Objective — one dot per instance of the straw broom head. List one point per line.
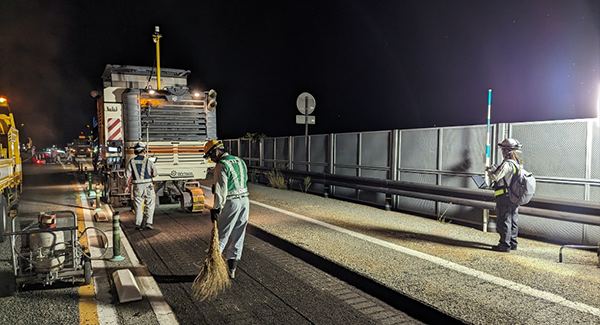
(214, 275)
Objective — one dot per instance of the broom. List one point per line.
(214, 276)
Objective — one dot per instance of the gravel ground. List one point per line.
(527, 286)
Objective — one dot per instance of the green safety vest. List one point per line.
(237, 175)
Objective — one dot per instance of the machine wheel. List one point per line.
(87, 272)
(4, 220)
(106, 189)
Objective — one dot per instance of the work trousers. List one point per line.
(507, 221)
(143, 192)
(232, 225)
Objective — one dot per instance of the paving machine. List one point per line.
(45, 248)
(154, 106)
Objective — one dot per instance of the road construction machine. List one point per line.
(11, 173)
(160, 111)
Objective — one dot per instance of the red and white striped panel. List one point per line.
(115, 129)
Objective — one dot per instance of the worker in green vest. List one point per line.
(231, 205)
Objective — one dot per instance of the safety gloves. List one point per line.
(214, 214)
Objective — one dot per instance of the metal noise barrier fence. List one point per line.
(585, 212)
(428, 171)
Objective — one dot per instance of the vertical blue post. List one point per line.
(117, 238)
(488, 149)
(488, 146)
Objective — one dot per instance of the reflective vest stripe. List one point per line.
(138, 167)
(501, 191)
(504, 190)
(238, 176)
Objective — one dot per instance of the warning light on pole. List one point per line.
(212, 100)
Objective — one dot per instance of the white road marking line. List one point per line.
(106, 311)
(149, 287)
(450, 265)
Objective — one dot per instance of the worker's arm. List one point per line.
(153, 170)
(502, 170)
(220, 193)
(128, 173)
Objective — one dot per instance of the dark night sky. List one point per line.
(371, 65)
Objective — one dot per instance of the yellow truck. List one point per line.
(11, 172)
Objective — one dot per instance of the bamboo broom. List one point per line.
(214, 276)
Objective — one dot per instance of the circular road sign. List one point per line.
(306, 102)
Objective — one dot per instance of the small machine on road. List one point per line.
(45, 248)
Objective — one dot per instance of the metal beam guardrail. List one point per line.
(585, 212)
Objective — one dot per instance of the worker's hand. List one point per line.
(214, 214)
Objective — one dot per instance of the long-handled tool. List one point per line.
(214, 276)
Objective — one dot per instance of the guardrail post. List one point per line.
(116, 238)
(486, 217)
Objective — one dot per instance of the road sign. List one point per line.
(301, 119)
(306, 103)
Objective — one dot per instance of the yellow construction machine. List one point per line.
(11, 173)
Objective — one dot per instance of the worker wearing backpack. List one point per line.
(507, 211)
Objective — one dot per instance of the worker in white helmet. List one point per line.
(231, 205)
(508, 212)
(140, 172)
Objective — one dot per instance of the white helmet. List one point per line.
(139, 148)
(510, 144)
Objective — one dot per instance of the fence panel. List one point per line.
(563, 155)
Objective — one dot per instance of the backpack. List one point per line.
(522, 185)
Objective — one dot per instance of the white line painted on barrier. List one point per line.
(447, 264)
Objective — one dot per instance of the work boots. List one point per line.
(232, 264)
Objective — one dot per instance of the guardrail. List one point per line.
(585, 212)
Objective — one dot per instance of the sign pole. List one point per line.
(306, 116)
(306, 130)
(306, 104)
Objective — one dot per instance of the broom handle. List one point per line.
(215, 235)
